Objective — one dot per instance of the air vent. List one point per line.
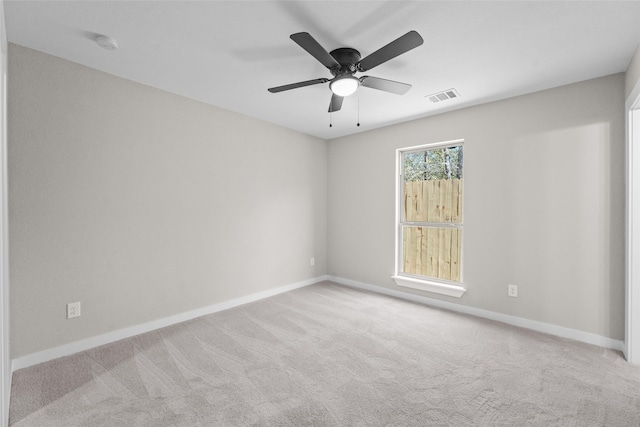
(443, 96)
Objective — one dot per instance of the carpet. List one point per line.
(328, 355)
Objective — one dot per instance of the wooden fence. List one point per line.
(433, 251)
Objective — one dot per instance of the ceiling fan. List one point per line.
(344, 62)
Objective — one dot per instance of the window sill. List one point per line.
(429, 286)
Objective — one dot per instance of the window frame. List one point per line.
(424, 283)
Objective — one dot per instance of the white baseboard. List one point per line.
(89, 343)
(534, 325)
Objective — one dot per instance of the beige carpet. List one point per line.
(327, 355)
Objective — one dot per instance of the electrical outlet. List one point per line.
(312, 261)
(512, 291)
(73, 310)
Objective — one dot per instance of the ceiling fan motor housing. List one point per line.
(348, 59)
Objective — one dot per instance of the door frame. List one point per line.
(5, 355)
(632, 279)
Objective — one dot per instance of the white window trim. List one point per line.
(442, 287)
(430, 286)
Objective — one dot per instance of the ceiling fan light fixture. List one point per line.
(344, 86)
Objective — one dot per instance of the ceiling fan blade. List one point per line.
(385, 85)
(397, 47)
(310, 44)
(336, 103)
(297, 85)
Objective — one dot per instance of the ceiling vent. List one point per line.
(444, 95)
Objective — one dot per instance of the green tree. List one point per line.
(437, 163)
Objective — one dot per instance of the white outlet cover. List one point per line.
(73, 310)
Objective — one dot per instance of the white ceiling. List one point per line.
(227, 53)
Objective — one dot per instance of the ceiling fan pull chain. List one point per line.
(330, 112)
(358, 109)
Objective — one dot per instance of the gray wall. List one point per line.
(543, 204)
(633, 74)
(142, 204)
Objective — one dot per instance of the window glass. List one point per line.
(431, 212)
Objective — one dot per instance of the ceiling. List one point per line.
(227, 53)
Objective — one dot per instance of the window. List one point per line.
(429, 218)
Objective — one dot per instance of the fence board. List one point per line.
(434, 201)
(433, 251)
(432, 254)
(455, 255)
(456, 194)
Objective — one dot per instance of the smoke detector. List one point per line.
(443, 96)
(107, 42)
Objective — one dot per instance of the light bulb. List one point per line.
(344, 86)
